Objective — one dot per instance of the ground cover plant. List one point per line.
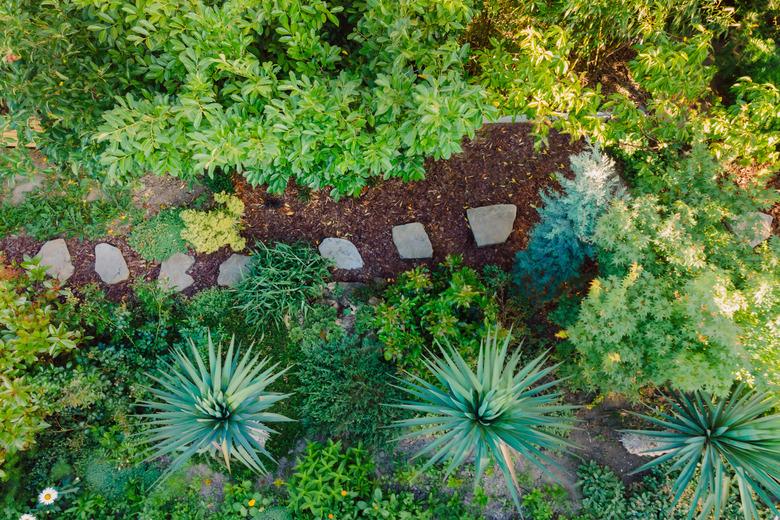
(625, 367)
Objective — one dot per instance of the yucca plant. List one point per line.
(221, 408)
(713, 441)
(490, 413)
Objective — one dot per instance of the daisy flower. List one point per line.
(48, 496)
(27, 517)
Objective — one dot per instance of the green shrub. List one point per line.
(327, 94)
(281, 281)
(603, 492)
(328, 479)
(208, 231)
(452, 305)
(158, 238)
(344, 382)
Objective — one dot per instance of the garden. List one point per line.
(393, 259)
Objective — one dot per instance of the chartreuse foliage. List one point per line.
(502, 406)
(562, 241)
(208, 231)
(33, 328)
(714, 441)
(327, 94)
(218, 406)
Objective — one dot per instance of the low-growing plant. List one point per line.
(328, 479)
(220, 407)
(603, 492)
(499, 408)
(281, 281)
(208, 231)
(714, 441)
(160, 237)
(451, 304)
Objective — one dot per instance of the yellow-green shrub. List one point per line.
(208, 231)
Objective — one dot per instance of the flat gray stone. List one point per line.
(232, 270)
(24, 185)
(110, 265)
(753, 227)
(492, 224)
(342, 252)
(642, 445)
(173, 272)
(412, 241)
(55, 257)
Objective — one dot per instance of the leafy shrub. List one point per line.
(339, 92)
(730, 438)
(603, 492)
(280, 281)
(220, 408)
(34, 315)
(210, 230)
(451, 304)
(158, 238)
(560, 243)
(488, 412)
(344, 381)
(329, 478)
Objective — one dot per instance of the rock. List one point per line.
(110, 265)
(232, 270)
(95, 193)
(24, 185)
(753, 227)
(412, 241)
(342, 252)
(55, 256)
(173, 272)
(156, 192)
(492, 224)
(641, 445)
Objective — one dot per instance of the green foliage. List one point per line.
(560, 243)
(328, 479)
(208, 231)
(343, 382)
(280, 281)
(488, 412)
(452, 304)
(327, 94)
(724, 439)
(34, 315)
(158, 238)
(222, 407)
(603, 492)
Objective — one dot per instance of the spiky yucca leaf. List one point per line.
(487, 413)
(729, 438)
(222, 407)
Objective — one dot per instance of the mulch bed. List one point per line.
(498, 166)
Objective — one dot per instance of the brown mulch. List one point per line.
(498, 166)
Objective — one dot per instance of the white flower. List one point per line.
(27, 517)
(48, 496)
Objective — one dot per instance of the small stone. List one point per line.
(232, 270)
(22, 186)
(55, 256)
(110, 265)
(642, 445)
(342, 252)
(412, 241)
(95, 193)
(753, 227)
(173, 272)
(492, 224)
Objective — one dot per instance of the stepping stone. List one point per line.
(342, 252)
(173, 272)
(232, 270)
(642, 445)
(492, 224)
(753, 227)
(55, 256)
(110, 265)
(412, 241)
(22, 186)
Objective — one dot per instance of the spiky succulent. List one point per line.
(488, 413)
(713, 441)
(219, 408)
